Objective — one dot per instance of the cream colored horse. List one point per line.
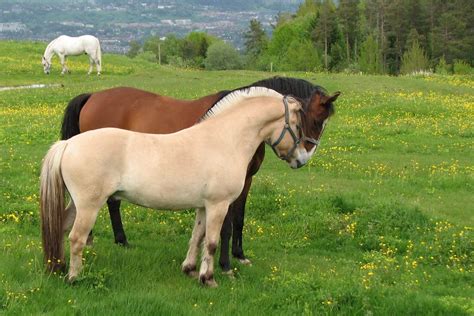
(203, 167)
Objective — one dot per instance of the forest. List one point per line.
(354, 36)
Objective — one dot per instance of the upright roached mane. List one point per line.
(235, 97)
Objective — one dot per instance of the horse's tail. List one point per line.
(70, 126)
(52, 204)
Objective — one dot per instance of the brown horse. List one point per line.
(138, 110)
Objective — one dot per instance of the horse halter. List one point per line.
(296, 140)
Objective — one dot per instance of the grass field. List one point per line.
(380, 222)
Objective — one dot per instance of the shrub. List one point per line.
(414, 60)
(442, 68)
(222, 56)
(462, 68)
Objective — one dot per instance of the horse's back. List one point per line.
(141, 111)
(69, 45)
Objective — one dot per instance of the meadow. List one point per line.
(380, 221)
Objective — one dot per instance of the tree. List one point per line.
(348, 14)
(370, 58)
(308, 7)
(414, 59)
(222, 56)
(152, 45)
(256, 39)
(326, 28)
(194, 48)
(134, 49)
(302, 56)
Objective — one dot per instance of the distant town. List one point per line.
(116, 23)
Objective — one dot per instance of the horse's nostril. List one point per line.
(298, 164)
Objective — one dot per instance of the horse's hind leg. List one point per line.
(85, 219)
(70, 216)
(91, 65)
(226, 233)
(98, 64)
(62, 60)
(215, 215)
(189, 264)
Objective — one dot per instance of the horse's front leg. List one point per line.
(62, 60)
(189, 264)
(215, 214)
(116, 220)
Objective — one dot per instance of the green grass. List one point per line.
(380, 222)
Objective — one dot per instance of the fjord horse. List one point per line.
(153, 170)
(143, 111)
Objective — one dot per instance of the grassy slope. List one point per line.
(380, 221)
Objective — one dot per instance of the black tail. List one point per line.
(70, 126)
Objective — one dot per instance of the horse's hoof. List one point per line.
(90, 240)
(209, 283)
(192, 274)
(207, 279)
(190, 270)
(245, 261)
(229, 273)
(71, 279)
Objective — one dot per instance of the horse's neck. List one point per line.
(249, 126)
(49, 51)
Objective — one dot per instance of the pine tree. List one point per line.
(349, 19)
(326, 28)
(414, 59)
(256, 39)
(370, 58)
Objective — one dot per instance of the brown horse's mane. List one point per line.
(301, 89)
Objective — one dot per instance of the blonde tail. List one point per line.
(52, 203)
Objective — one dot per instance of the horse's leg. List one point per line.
(238, 212)
(215, 214)
(189, 264)
(91, 65)
(238, 209)
(115, 218)
(85, 219)
(226, 233)
(98, 66)
(70, 216)
(63, 64)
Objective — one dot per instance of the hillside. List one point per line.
(380, 221)
(118, 22)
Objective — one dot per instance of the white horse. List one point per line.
(203, 167)
(64, 46)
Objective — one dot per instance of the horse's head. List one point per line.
(316, 113)
(46, 65)
(288, 142)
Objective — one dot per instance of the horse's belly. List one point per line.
(162, 198)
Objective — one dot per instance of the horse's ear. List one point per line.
(331, 98)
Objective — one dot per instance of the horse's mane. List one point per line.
(230, 99)
(299, 88)
(49, 45)
(296, 87)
